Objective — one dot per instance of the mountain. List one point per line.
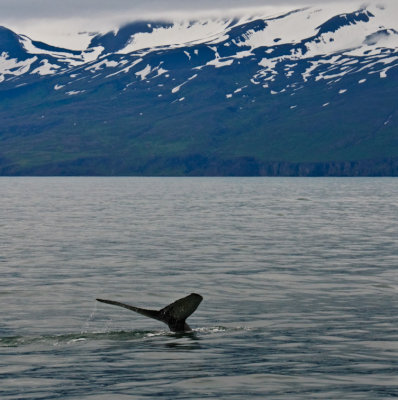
(309, 92)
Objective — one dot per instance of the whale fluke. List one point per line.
(174, 315)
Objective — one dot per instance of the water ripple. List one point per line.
(299, 279)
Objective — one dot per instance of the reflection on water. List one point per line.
(299, 278)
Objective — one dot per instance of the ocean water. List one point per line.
(299, 279)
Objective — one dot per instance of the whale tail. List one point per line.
(174, 315)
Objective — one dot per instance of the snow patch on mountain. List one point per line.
(126, 69)
(218, 62)
(144, 72)
(178, 35)
(294, 27)
(101, 65)
(177, 88)
(14, 67)
(75, 92)
(92, 54)
(46, 68)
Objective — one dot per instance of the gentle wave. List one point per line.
(70, 338)
(55, 340)
(299, 279)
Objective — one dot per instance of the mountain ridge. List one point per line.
(229, 96)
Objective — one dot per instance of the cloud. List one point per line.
(59, 21)
(63, 9)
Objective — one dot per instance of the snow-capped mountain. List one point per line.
(152, 77)
(364, 39)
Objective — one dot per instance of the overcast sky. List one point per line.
(21, 9)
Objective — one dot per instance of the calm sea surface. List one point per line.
(299, 279)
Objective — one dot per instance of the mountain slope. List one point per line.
(310, 92)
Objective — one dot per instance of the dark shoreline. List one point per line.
(197, 165)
